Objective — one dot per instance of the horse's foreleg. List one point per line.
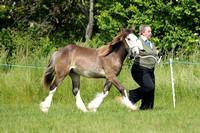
(94, 105)
(76, 91)
(79, 102)
(124, 100)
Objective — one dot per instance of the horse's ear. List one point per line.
(133, 29)
(122, 29)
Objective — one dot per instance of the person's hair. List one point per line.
(142, 28)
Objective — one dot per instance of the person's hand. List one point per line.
(160, 54)
(131, 57)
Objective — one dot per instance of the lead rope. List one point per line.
(159, 60)
(156, 60)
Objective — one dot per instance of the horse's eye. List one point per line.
(129, 39)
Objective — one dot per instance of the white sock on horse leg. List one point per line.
(127, 102)
(44, 106)
(94, 104)
(79, 102)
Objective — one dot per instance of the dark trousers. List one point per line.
(146, 79)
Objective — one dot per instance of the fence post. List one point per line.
(173, 91)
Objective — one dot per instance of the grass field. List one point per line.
(110, 118)
(21, 92)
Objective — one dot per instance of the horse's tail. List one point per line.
(50, 72)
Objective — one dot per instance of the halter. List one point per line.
(131, 48)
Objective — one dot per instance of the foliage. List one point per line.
(13, 41)
(46, 25)
(53, 18)
(173, 23)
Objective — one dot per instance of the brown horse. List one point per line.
(104, 62)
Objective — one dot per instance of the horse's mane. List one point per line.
(107, 49)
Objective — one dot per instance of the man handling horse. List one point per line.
(143, 70)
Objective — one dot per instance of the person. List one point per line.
(143, 70)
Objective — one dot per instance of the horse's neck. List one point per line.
(124, 53)
(121, 52)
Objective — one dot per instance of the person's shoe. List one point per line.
(130, 98)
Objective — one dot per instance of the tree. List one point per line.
(90, 16)
(173, 22)
(68, 21)
(88, 34)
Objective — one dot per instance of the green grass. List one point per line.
(21, 92)
(110, 118)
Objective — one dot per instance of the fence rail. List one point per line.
(10, 65)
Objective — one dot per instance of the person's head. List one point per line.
(145, 30)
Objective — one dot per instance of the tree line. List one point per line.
(45, 25)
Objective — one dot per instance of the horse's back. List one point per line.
(73, 48)
(81, 60)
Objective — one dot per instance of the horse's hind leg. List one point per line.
(94, 105)
(76, 91)
(45, 105)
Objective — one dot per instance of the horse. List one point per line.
(103, 62)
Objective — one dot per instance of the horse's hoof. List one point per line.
(43, 108)
(133, 108)
(85, 111)
(92, 108)
(119, 99)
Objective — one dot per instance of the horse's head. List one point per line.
(131, 42)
